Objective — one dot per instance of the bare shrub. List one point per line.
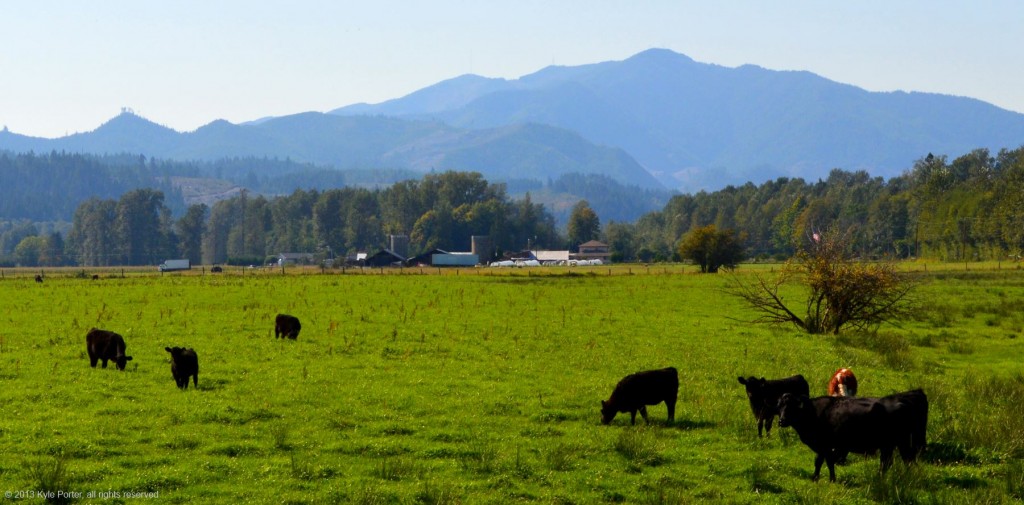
(840, 291)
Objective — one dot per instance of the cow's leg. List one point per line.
(830, 460)
(671, 405)
(643, 412)
(632, 417)
(885, 458)
(818, 460)
(768, 425)
(93, 359)
(760, 426)
(104, 362)
(195, 380)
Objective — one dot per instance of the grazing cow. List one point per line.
(106, 345)
(286, 326)
(217, 269)
(842, 383)
(764, 397)
(95, 277)
(39, 278)
(184, 364)
(634, 392)
(835, 426)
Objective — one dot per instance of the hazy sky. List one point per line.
(69, 66)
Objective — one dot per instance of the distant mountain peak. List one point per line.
(129, 120)
(661, 55)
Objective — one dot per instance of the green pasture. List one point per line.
(483, 386)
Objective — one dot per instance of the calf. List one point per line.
(835, 426)
(764, 397)
(634, 392)
(106, 345)
(286, 326)
(184, 363)
(39, 278)
(842, 383)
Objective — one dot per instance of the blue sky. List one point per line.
(68, 66)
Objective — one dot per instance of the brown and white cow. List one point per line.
(842, 383)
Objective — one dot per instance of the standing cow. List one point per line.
(833, 426)
(106, 345)
(286, 326)
(764, 397)
(842, 383)
(634, 392)
(184, 364)
(909, 412)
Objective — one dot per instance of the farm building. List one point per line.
(551, 257)
(384, 258)
(593, 250)
(455, 259)
(424, 259)
(440, 257)
(294, 259)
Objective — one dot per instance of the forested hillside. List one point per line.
(969, 209)
(48, 187)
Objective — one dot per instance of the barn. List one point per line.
(384, 258)
(442, 258)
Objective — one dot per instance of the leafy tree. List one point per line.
(584, 225)
(712, 249)
(620, 238)
(840, 292)
(28, 252)
(222, 220)
(190, 229)
(52, 254)
(141, 227)
(329, 219)
(13, 236)
(91, 239)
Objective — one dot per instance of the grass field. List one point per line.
(478, 386)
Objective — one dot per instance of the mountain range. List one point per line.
(701, 126)
(656, 120)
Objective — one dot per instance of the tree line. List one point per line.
(970, 208)
(438, 211)
(967, 209)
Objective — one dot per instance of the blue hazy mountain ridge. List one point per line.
(701, 126)
(517, 151)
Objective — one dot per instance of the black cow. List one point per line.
(106, 345)
(634, 392)
(834, 426)
(764, 397)
(217, 269)
(909, 412)
(39, 278)
(184, 364)
(286, 326)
